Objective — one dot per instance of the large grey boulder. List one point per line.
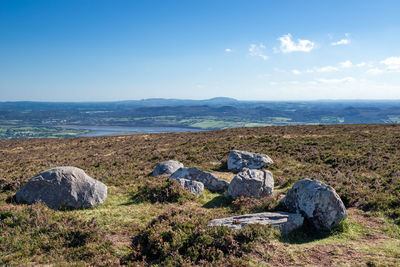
(167, 167)
(63, 187)
(318, 202)
(251, 183)
(284, 221)
(193, 186)
(210, 182)
(237, 160)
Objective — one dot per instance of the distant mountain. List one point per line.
(214, 113)
(159, 102)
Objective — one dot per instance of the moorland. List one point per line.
(152, 221)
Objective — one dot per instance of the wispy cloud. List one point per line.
(392, 63)
(289, 46)
(342, 80)
(341, 42)
(228, 50)
(374, 71)
(327, 69)
(296, 72)
(346, 64)
(257, 51)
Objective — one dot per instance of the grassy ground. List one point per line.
(148, 220)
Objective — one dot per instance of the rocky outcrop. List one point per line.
(251, 183)
(167, 167)
(193, 186)
(318, 202)
(210, 182)
(237, 160)
(63, 187)
(284, 221)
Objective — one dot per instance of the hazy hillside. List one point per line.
(216, 113)
(149, 220)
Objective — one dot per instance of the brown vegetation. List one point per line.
(362, 162)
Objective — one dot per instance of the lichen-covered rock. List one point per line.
(237, 160)
(318, 202)
(210, 182)
(284, 221)
(193, 186)
(251, 183)
(167, 167)
(63, 187)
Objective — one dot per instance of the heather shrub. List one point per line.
(26, 231)
(255, 205)
(181, 236)
(153, 190)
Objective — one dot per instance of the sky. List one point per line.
(86, 50)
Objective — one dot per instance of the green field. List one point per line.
(11, 132)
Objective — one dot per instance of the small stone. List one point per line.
(167, 167)
(193, 186)
(210, 182)
(237, 160)
(251, 183)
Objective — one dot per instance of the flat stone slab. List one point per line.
(285, 221)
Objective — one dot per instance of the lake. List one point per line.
(120, 130)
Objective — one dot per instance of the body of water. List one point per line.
(121, 130)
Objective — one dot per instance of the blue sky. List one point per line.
(251, 50)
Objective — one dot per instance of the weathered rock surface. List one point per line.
(210, 182)
(63, 187)
(237, 160)
(286, 222)
(167, 167)
(251, 183)
(318, 202)
(193, 186)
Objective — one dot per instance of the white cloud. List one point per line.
(327, 69)
(257, 51)
(374, 71)
(228, 50)
(288, 46)
(341, 42)
(343, 80)
(392, 63)
(346, 64)
(296, 72)
(362, 64)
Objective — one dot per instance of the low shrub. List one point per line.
(26, 231)
(181, 236)
(153, 190)
(254, 205)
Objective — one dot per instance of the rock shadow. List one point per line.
(308, 233)
(218, 202)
